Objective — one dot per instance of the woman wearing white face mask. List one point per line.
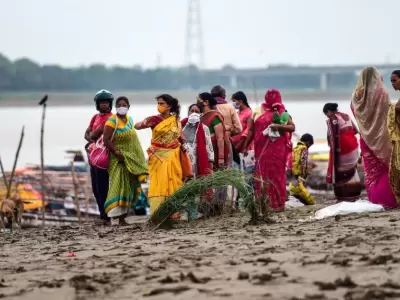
(128, 167)
(198, 143)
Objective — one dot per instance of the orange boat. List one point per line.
(24, 191)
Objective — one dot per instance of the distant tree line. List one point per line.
(26, 75)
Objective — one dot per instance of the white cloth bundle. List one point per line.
(271, 133)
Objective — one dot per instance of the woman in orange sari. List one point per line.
(164, 152)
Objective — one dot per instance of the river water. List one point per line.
(65, 127)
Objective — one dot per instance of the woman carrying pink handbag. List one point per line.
(100, 179)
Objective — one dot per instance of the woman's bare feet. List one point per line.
(122, 221)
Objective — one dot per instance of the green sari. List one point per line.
(125, 188)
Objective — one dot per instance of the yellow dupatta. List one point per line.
(164, 161)
(394, 134)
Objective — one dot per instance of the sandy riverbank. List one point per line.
(353, 258)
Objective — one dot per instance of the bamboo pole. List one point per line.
(42, 180)
(78, 208)
(15, 162)
(4, 174)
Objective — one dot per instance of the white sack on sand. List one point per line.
(344, 208)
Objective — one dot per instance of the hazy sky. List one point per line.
(238, 32)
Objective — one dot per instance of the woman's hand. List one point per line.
(183, 148)
(275, 127)
(142, 178)
(119, 156)
(221, 162)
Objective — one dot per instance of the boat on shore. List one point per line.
(66, 189)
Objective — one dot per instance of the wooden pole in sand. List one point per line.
(4, 175)
(15, 162)
(43, 103)
(76, 195)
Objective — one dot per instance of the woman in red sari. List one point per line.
(198, 143)
(344, 154)
(215, 123)
(272, 154)
(221, 145)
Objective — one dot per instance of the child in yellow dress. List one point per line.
(300, 170)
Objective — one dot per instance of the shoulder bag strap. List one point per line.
(116, 126)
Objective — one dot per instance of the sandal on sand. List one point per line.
(114, 222)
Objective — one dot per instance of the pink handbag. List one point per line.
(99, 156)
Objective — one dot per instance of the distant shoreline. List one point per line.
(60, 99)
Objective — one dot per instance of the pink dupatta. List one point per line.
(370, 105)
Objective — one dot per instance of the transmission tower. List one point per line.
(194, 52)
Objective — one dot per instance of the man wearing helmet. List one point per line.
(100, 181)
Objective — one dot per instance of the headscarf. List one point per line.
(273, 98)
(370, 102)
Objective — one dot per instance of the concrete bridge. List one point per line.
(322, 72)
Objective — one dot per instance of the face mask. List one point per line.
(235, 105)
(194, 118)
(200, 105)
(161, 109)
(122, 110)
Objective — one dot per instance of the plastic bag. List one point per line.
(345, 208)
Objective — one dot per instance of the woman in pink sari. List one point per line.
(370, 104)
(272, 153)
(244, 142)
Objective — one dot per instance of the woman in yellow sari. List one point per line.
(164, 152)
(394, 134)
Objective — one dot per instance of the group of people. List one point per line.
(218, 134)
(378, 127)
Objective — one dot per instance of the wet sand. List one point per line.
(352, 257)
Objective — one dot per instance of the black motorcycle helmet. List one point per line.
(103, 95)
